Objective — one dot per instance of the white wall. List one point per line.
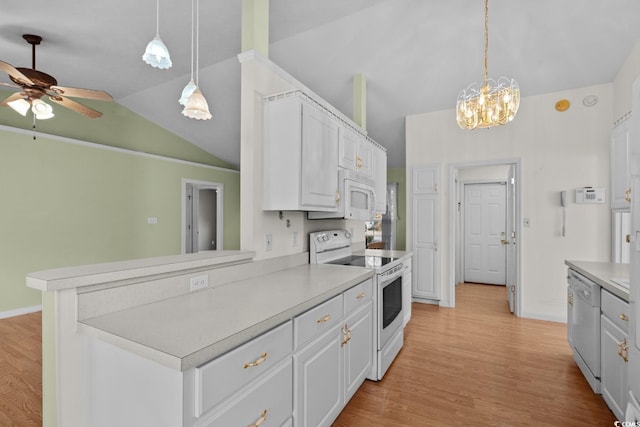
(628, 73)
(558, 151)
(260, 78)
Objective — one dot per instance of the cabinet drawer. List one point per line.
(358, 296)
(616, 309)
(220, 378)
(271, 398)
(317, 320)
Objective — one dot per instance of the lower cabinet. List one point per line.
(613, 352)
(300, 373)
(330, 367)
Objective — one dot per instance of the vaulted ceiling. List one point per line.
(416, 54)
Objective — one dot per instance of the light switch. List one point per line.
(152, 220)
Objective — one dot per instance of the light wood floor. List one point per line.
(21, 371)
(472, 365)
(478, 365)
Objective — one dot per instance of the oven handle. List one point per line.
(385, 280)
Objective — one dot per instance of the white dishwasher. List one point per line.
(584, 326)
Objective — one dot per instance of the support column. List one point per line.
(360, 100)
(255, 26)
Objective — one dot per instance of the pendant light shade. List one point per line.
(191, 86)
(493, 103)
(197, 107)
(156, 54)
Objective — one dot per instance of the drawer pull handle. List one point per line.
(624, 317)
(622, 350)
(262, 418)
(324, 319)
(346, 335)
(258, 361)
(362, 295)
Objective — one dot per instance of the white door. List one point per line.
(425, 247)
(485, 232)
(511, 240)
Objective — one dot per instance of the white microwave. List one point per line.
(357, 198)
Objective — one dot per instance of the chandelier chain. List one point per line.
(486, 41)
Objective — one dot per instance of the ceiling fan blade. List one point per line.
(14, 97)
(76, 106)
(13, 72)
(75, 92)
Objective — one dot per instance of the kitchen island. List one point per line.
(122, 326)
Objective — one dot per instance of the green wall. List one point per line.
(68, 204)
(399, 175)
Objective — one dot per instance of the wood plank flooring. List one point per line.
(479, 365)
(472, 365)
(21, 371)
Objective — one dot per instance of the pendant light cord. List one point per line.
(157, 18)
(486, 41)
(192, 12)
(197, 41)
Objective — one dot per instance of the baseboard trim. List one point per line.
(548, 318)
(20, 311)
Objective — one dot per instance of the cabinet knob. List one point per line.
(346, 335)
(361, 295)
(624, 317)
(627, 195)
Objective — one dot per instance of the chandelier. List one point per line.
(493, 104)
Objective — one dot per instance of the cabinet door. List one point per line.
(348, 148)
(620, 166)
(365, 157)
(425, 247)
(318, 380)
(319, 180)
(358, 350)
(613, 367)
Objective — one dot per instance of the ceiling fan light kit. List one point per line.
(492, 104)
(34, 85)
(156, 54)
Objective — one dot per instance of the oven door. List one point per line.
(389, 306)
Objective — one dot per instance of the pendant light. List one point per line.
(197, 107)
(156, 54)
(191, 86)
(493, 104)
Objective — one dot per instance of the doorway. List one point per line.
(484, 209)
(202, 207)
(462, 175)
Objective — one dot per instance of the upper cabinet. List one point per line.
(300, 156)
(355, 151)
(306, 142)
(620, 153)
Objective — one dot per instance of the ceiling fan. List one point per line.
(35, 85)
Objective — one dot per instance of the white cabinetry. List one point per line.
(613, 352)
(620, 154)
(426, 225)
(333, 355)
(356, 151)
(300, 157)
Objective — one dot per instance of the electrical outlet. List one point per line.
(268, 244)
(199, 282)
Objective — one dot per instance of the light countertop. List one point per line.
(188, 330)
(608, 275)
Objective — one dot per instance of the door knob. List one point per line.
(504, 242)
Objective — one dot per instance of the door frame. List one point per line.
(203, 185)
(455, 227)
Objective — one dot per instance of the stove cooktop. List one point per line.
(364, 261)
